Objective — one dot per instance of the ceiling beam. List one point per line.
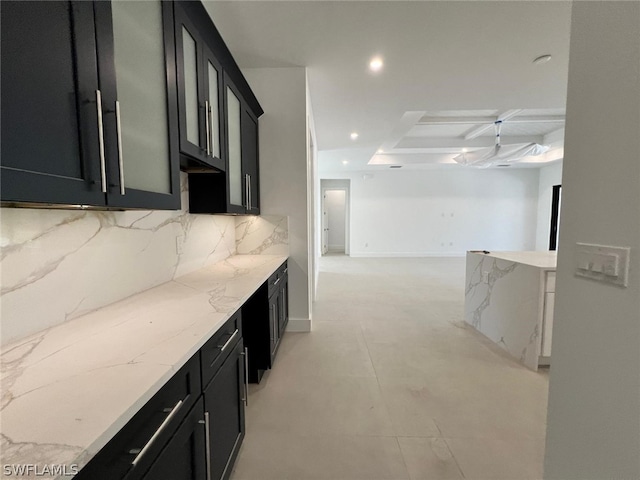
(426, 120)
(476, 132)
(459, 143)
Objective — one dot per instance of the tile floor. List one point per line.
(390, 384)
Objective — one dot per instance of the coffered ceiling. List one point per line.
(451, 69)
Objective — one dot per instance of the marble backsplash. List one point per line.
(56, 265)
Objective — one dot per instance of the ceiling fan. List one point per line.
(486, 157)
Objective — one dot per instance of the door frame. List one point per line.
(327, 185)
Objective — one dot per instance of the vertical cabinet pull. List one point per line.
(250, 199)
(206, 124)
(246, 190)
(207, 442)
(245, 354)
(119, 136)
(210, 119)
(140, 452)
(103, 166)
(275, 320)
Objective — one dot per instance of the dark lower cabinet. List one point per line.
(188, 430)
(184, 457)
(265, 316)
(224, 401)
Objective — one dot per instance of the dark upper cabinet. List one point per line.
(236, 191)
(89, 112)
(199, 80)
(50, 144)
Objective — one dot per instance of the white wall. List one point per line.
(549, 176)
(441, 212)
(594, 397)
(284, 176)
(335, 210)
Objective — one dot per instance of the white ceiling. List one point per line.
(441, 58)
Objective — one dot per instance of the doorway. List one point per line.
(335, 217)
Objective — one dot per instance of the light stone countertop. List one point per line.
(543, 260)
(67, 390)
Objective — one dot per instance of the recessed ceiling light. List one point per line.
(465, 150)
(354, 135)
(344, 162)
(380, 150)
(542, 59)
(376, 64)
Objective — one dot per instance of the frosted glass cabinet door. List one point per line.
(140, 69)
(234, 169)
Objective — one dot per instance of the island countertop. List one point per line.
(545, 260)
(66, 391)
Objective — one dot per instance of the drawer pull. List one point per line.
(277, 281)
(139, 452)
(222, 347)
(285, 270)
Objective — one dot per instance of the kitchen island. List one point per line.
(509, 298)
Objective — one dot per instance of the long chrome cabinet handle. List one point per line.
(206, 125)
(249, 183)
(211, 130)
(222, 347)
(246, 189)
(103, 165)
(275, 323)
(119, 136)
(207, 442)
(143, 450)
(245, 354)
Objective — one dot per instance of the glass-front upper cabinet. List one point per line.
(199, 97)
(237, 184)
(138, 105)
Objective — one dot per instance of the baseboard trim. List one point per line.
(407, 254)
(299, 325)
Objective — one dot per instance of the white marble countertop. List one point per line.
(68, 390)
(543, 260)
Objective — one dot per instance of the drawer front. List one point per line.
(551, 282)
(130, 453)
(214, 352)
(276, 279)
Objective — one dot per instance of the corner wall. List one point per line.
(594, 393)
(282, 93)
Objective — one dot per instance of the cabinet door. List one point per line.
(212, 83)
(250, 159)
(224, 399)
(135, 42)
(50, 149)
(189, 66)
(284, 303)
(547, 323)
(274, 325)
(237, 184)
(184, 457)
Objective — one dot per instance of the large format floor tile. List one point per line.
(391, 384)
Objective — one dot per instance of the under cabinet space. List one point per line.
(108, 142)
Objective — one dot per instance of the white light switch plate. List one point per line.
(602, 263)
